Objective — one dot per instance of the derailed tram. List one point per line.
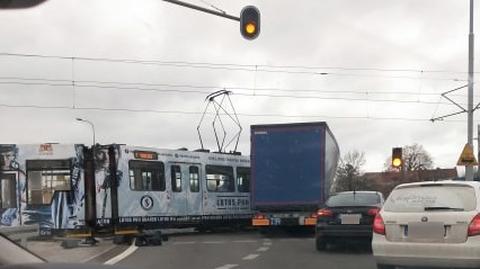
(119, 189)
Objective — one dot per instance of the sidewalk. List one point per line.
(52, 251)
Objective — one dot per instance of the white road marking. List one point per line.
(250, 257)
(244, 241)
(267, 243)
(227, 266)
(262, 249)
(98, 255)
(213, 242)
(129, 251)
(184, 243)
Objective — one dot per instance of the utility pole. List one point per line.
(469, 159)
(469, 168)
(478, 150)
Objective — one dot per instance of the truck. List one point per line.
(293, 167)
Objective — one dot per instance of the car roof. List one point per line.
(474, 184)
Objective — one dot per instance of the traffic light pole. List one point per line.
(469, 168)
(202, 9)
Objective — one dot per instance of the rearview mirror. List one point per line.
(17, 4)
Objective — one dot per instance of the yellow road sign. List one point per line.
(467, 157)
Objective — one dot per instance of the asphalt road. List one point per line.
(247, 250)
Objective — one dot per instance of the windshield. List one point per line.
(434, 197)
(351, 199)
(212, 133)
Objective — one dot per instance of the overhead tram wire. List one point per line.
(245, 67)
(105, 59)
(170, 85)
(105, 109)
(79, 85)
(241, 67)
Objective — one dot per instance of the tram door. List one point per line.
(8, 199)
(177, 190)
(194, 190)
(186, 193)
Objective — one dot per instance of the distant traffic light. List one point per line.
(250, 22)
(397, 160)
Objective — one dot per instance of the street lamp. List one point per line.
(91, 125)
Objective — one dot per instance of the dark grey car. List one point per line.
(347, 215)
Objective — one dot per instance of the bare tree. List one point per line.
(349, 172)
(415, 158)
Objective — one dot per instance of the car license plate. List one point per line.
(276, 221)
(350, 218)
(431, 231)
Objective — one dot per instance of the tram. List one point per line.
(120, 189)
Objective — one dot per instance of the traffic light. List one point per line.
(250, 22)
(397, 160)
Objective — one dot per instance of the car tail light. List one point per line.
(324, 212)
(378, 225)
(474, 227)
(373, 211)
(313, 215)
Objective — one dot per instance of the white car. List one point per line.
(431, 224)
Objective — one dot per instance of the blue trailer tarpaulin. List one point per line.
(292, 164)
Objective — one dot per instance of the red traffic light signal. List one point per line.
(397, 160)
(250, 22)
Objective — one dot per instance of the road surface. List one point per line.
(246, 250)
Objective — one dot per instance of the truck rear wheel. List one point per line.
(320, 244)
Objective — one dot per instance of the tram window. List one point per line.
(194, 179)
(46, 177)
(176, 178)
(8, 195)
(220, 178)
(243, 179)
(146, 175)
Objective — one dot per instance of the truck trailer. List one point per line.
(293, 168)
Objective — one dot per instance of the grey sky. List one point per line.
(394, 34)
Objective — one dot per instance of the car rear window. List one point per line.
(350, 199)
(424, 197)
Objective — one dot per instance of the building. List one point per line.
(384, 182)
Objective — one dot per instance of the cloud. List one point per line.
(374, 34)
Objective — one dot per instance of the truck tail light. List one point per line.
(324, 212)
(474, 227)
(260, 216)
(373, 211)
(378, 225)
